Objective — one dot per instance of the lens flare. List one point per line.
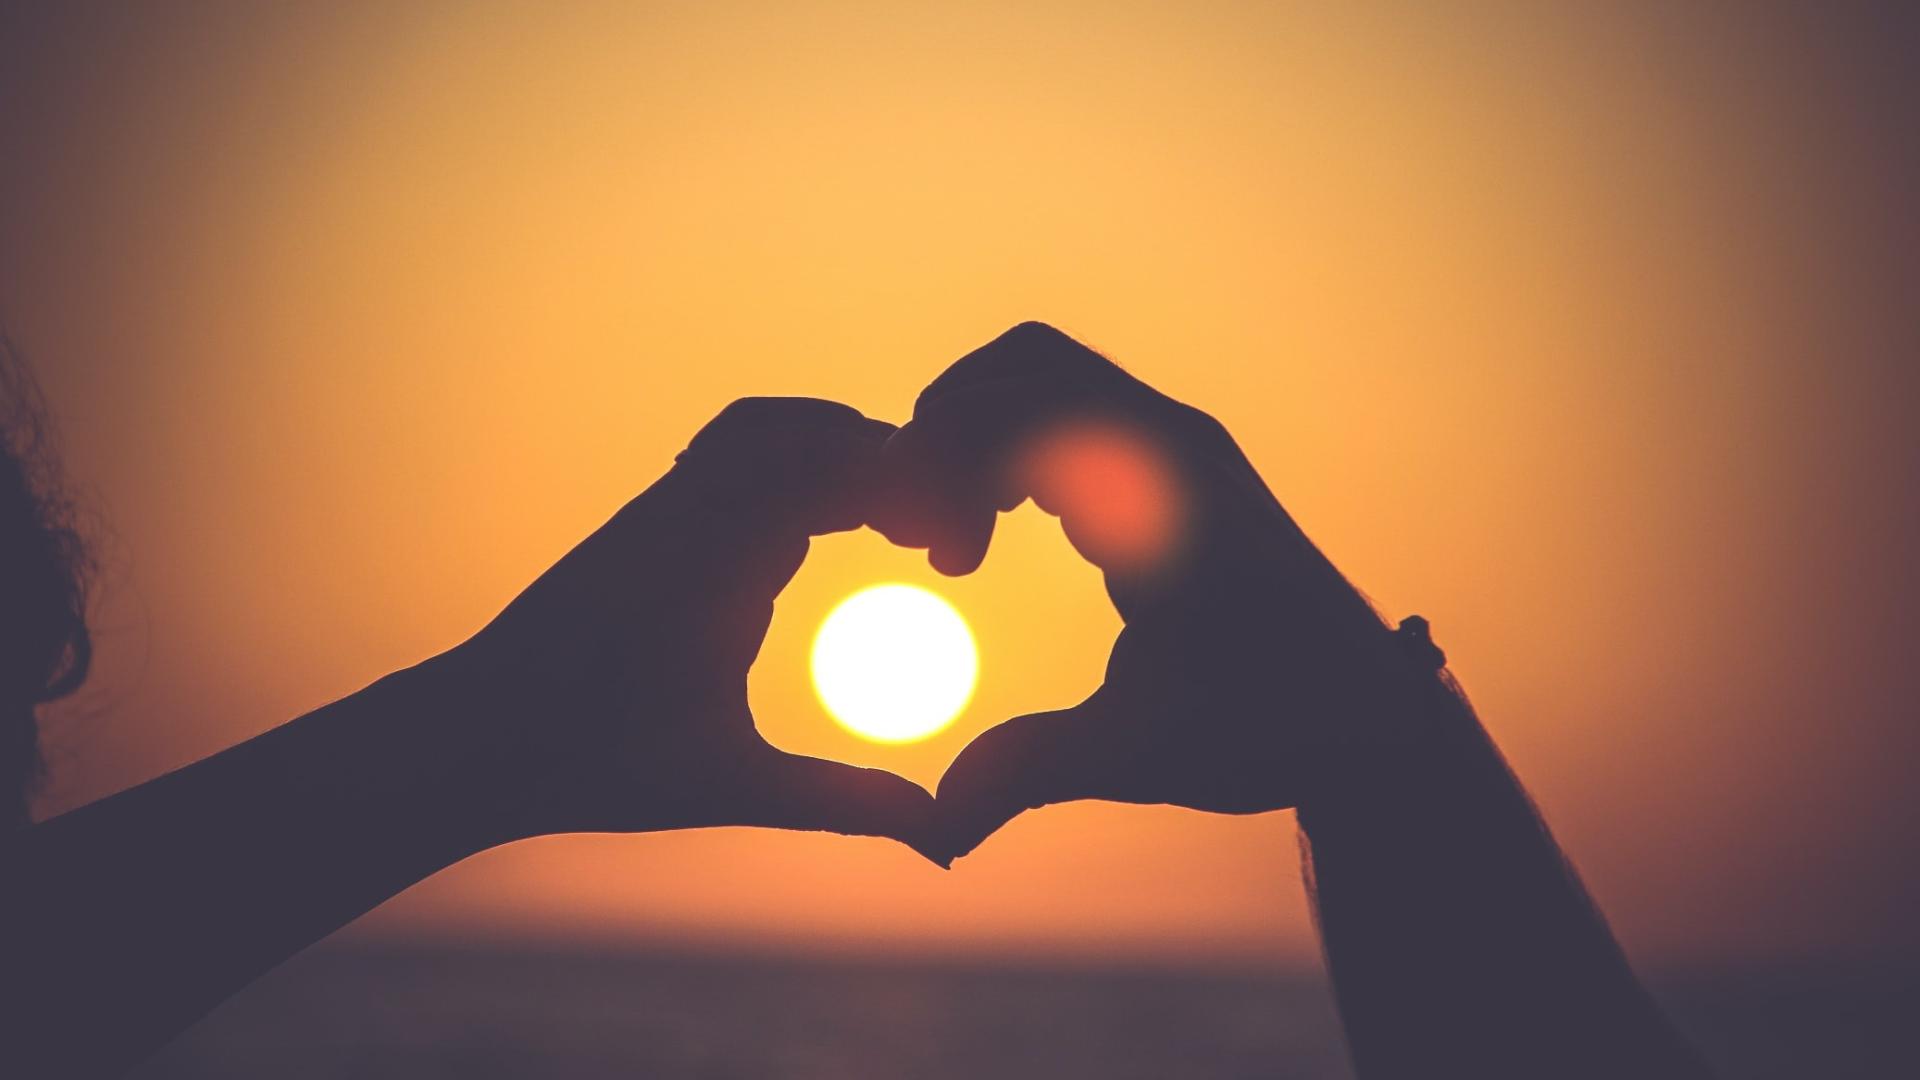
(1114, 490)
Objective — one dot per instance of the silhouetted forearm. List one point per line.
(123, 922)
(1459, 940)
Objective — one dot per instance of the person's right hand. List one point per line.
(1248, 675)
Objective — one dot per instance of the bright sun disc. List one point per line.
(894, 663)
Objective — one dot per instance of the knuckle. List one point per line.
(745, 407)
(763, 408)
(779, 421)
(1033, 330)
(742, 414)
(1198, 424)
(1045, 347)
(1028, 349)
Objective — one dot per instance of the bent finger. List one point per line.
(804, 465)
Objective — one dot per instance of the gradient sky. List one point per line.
(1590, 335)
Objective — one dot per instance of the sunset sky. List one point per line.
(1590, 336)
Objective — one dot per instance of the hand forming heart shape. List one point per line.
(630, 654)
(1248, 673)
(1239, 682)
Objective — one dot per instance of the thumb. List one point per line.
(798, 792)
(1026, 763)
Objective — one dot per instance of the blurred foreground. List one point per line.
(380, 1011)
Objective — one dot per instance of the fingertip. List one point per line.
(907, 813)
(962, 544)
(971, 808)
(956, 559)
(931, 847)
(925, 841)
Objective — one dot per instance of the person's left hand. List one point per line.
(1249, 675)
(613, 691)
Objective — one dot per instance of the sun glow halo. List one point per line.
(894, 663)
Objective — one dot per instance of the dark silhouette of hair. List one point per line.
(44, 566)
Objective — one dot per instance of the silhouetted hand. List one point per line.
(1248, 675)
(615, 687)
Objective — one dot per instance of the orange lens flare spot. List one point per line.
(1115, 491)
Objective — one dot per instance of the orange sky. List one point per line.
(1589, 337)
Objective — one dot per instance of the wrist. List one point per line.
(1406, 744)
(464, 766)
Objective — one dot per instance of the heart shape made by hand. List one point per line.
(1248, 675)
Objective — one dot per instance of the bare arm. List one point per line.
(610, 696)
(125, 921)
(1456, 932)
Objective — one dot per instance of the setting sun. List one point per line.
(894, 663)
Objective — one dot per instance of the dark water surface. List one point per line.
(379, 1012)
